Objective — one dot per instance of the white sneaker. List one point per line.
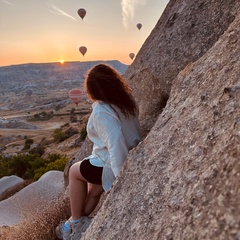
(80, 227)
(62, 232)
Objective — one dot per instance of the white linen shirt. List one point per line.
(113, 135)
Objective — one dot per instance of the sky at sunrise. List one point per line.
(39, 31)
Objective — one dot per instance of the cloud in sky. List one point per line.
(128, 10)
(55, 10)
(7, 2)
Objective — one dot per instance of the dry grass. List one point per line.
(41, 226)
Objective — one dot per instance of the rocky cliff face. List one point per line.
(183, 180)
(186, 31)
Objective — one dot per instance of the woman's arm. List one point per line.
(108, 128)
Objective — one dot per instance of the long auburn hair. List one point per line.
(105, 84)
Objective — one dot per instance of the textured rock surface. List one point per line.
(32, 200)
(185, 31)
(8, 182)
(183, 179)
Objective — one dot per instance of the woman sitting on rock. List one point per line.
(113, 127)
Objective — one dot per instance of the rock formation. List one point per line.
(9, 182)
(186, 31)
(32, 200)
(182, 181)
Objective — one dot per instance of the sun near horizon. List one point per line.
(62, 61)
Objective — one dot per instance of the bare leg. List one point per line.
(84, 197)
(78, 190)
(94, 194)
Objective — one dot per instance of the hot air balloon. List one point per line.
(83, 50)
(81, 12)
(139, 26)
(131, 55)
(75, 95)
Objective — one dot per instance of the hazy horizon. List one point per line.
(65, 62)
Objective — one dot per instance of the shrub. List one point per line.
(73, 118)
(39, 149)
(23, 164)
(31, 166)
(59, 135)
(27, 143)
(71, 131)
(35, 164)
(4, 167)
(83, 133)
(42, 116)
(58, 164)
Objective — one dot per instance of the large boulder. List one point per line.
(9, 182)
(32, 200)
(186, 30)
(183, 180)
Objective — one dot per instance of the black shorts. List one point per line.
(91, 173)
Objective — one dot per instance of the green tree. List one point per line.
(31, 166)
(4, 167)
(59, 164)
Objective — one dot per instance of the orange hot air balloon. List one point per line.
(81, 12)
(139, 26)
(131, 55)
(83, 50)
(75, 95)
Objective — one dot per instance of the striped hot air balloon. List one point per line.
(75, 95)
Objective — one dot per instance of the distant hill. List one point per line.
(46, 76)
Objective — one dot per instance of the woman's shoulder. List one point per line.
(100, 106)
